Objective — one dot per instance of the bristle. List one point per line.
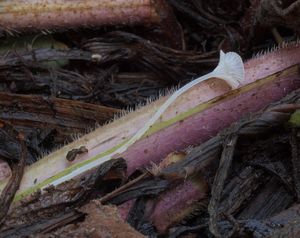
(154, 169)
(10, 32)
(275, 48)
(189, 149)
(91, 128)
(122, 113)
(162, 93)
(44, 153)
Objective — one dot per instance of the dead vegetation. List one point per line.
(243, 182)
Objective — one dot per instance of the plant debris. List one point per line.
(62, 79)
(12, 186)
(255, 163)
(276, 13)
(43, 211)
(99, 221)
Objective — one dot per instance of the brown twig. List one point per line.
(220, 177)
(119, 190)
(12, 186)
(35, 57)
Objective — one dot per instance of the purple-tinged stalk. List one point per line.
(177, 203)
(115, 139)
(173, 205)
(193, 118)
(23, 15)
(268, 78)
(230, 69)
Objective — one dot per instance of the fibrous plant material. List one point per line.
(169, 207)
(13, 184)
(294, 141)
(49, 15)
(99, 221)
(279, 13)
(61, 119)
(213, 19)
(229, 145)
(253, 186)
(55, 207)
(166, 63)
(205, 103)
(36, 57)
(53, 112)
(270, 199)
(230, 69)
(176, 203)
(283, 224)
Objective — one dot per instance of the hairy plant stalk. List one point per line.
(23, 15)
(193, 118)
(230, 69)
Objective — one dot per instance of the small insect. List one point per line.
(71, 156)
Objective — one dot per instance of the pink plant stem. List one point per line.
(19, 15)
(172, 206)
(176, 204)
(222, 110)
(205, 125)
(202, 126)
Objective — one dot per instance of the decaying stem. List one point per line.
(219, 180)
(46, 15)
(268, 78)
(230, 69)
